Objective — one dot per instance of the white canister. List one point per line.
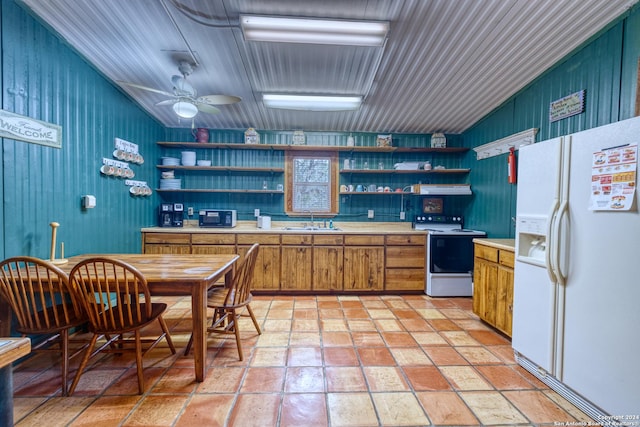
(347, 164)
(350, 141)
(427, 166)
(189, 158)
(264, 222)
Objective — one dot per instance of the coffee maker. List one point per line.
(170, 215)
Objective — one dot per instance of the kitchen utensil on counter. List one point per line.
(52, 256)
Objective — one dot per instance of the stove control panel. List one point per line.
(438, 219)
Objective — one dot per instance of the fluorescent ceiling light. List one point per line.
(315, 31)
(312, 102)
(184, 109)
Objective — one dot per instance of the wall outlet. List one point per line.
(256, 213)
(402, 215)
(190, 211)
(370, 214)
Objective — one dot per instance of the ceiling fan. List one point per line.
(184, 99)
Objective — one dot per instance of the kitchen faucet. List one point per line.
(311, 214)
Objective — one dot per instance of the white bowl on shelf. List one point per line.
(204, 162)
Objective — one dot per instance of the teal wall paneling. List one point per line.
(605, 67)
(630, 58)
(46, 80)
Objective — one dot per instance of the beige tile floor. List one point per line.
(321, 361)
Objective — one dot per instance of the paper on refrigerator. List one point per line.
(613, 178)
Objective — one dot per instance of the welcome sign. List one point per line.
(26, 129)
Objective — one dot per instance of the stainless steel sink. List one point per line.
(310, 228)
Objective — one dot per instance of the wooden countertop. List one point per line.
(12, 349)
(504, 244)
(279, 227)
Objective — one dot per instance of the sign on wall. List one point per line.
(565, 107)
(26, 129)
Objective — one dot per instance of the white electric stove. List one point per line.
(449, 255)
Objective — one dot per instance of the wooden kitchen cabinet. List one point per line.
(493, 283)
(328, 257)
(266, 275)
(296, 262)
(166, 243)
(220, 243)
(405, 257)
(363, 263)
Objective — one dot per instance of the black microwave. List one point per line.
(217, 218)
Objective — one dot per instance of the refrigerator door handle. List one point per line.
(549, 253)
(560, 251)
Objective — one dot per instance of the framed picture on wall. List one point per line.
(433, 205)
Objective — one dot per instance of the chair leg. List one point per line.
(253, 317)
(64, 342)
(187, 349)
(236, 329)
(139, 362)
(83, 364)
(167, 336)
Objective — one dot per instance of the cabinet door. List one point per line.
(327, 268)
(296, 268)
(363, 268)
(485, 277)
(266, 275)
(504, 302)
(166, 249)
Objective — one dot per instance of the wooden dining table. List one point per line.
(178, 275)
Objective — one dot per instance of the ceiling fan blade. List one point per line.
(182, 86)
(162, 92)
(206, 108)
(219, 99)
(167, 102)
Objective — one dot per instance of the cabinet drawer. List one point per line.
(363, 240)
(507, 258)
(328, 240)
(297, 239)
(169, 238)
(486, 252)
(263, 239)
(405, 239)
(405, 257)
(213, 239)
(398, 279)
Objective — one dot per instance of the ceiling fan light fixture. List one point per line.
(185, 109)
(312, 102)
(314, 31)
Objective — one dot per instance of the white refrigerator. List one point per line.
(576, 313)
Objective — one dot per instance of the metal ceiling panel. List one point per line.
(445, 65)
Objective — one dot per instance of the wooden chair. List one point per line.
(117, 300)
(39, 295)
(228, 303)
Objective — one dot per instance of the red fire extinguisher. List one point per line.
(511, 160)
